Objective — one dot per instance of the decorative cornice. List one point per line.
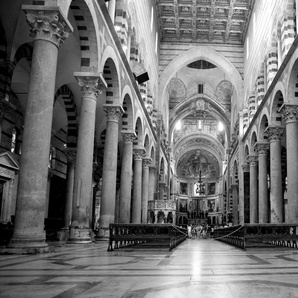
(113, 112)
(91, 84)
(47, 23)
(289, 112)
(274, 133)
(262, 148)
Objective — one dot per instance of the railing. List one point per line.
(259, 235)
(149, 235)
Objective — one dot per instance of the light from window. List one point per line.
(13, 140)
(178, 125)
(200, 125)
(151, 18)
(156, 39)
(220, 126)
(200, 88)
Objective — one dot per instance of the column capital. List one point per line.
(289, 112)
(138, 152)
(152, 169)
(70, 154)
(234, 186)
(274, 133)
(128, 136)
(90, 83)
(47, 23)
(252, 159)
(262, 148)
(113, 112)
(245, 168)
(146, 161)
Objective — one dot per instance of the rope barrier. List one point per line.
(229, 234)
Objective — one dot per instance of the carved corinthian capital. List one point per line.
(262, 148)
(128, 136)
(289, 112)
(274, 133)
(113, 112)
(47, 23)
(138, 152)
(252, 160)
(91, 84)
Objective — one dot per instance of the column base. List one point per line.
(79, 236)
(103, 234)
(26, 246)
(63, 234)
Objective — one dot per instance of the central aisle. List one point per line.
(197, 268)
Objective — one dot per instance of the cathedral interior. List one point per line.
(153, 112)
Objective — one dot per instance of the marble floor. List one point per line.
(197, 268)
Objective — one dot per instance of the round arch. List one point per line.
(207, 54)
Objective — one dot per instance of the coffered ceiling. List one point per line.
(204, 21)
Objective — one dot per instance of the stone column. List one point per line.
(138, 152)
(152, 179)
(290, 115)
(7, 200)
(235, 193)
(71, 157)
(253, 188)
(90, 84)
(109, 171)
(145, 189)
(275, 134)
(262, 149)
(126, 176)
(244, 205)
(49, 28)
(2, 114)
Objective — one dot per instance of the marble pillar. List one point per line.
(244, 205)
(91, 85)
(49, 28)
(126, 176)
(290, 115)
(71, 157)
(253, 188)
(138, 152)
(109, 171)
(235, 194)
(275, 134)
(262, 150)
(152, 180)
(145, 188)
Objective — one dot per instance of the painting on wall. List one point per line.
(183, 188)
(211, 188)
(183, 205)
(211, 205)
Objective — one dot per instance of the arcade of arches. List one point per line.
(130, 111)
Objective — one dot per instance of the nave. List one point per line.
(196, 268)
